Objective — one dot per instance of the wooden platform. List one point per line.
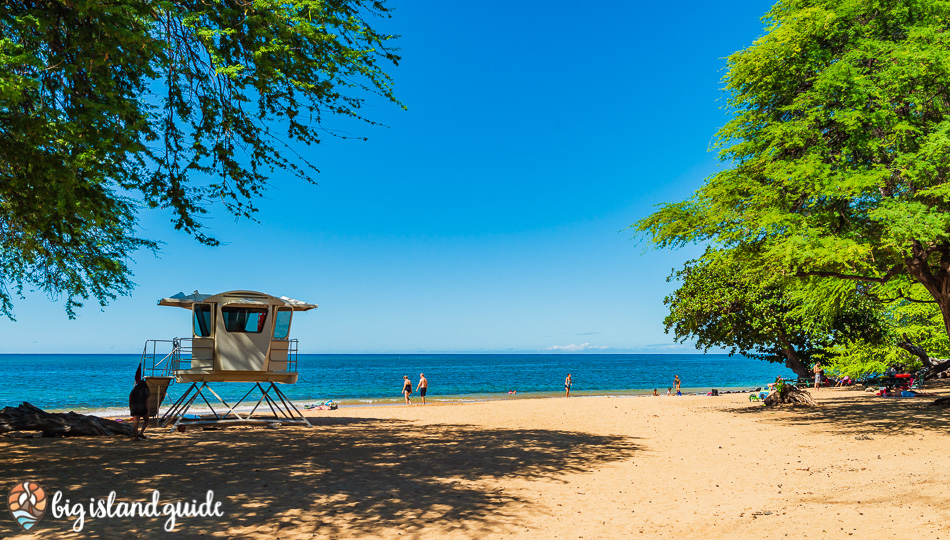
(188, 376)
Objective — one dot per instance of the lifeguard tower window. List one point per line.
(282, 324)
(202, 320)
(242, 319)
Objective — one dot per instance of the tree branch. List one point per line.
(916, 350)
(900, 296)
(895, 270)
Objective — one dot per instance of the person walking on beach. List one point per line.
(817, 376)
(676, 383)
(422, 387)
(567, 386)
(406, 388)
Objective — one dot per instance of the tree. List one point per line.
(722, 303)
(912, 335)
(107, 107)
(838, 153)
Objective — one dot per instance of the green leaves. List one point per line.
(723, 301)
(79, 123)
(839, 146)
(838, 159)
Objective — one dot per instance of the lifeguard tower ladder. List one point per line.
(237, 336)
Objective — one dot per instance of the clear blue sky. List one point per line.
(488, 217)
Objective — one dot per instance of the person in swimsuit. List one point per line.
(817, 376)
(422, 387)
(676, 383)
(567, 386)
(406, 388)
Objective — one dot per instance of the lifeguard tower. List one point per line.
(236, 336)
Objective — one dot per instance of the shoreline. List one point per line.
(435, 399)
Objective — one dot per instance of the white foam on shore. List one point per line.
(197, 411)
(456, 398)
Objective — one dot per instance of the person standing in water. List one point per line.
(406, 388)
(422, 387)
(567, 386)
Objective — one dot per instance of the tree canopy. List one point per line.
(722, 303)
(837, 155)
(107, 107)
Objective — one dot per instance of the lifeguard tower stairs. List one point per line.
(236, 337)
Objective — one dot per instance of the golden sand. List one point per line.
(859, 466)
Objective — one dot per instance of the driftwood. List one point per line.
(935, 369)
(27, 417)
(931, 367)
(789, 394)
(941, 402)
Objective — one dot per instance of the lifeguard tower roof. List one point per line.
(188, 301)
(239, 336)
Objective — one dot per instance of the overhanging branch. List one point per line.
(915, 350)
(900, 296)
(895, 270)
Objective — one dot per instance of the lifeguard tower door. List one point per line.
(242, 338)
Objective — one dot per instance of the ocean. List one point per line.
(101, 382)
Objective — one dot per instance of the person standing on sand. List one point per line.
(138, 405)
(676, 383)
(817, 376)
(567, 386)
(406, 388)
(422, 387)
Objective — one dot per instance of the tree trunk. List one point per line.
(916, 350)
(941, 402)
(935, 279)
(789, 394)
(27, 417)
(792, 361)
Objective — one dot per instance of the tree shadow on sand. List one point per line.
(345, 477)
(863, 414)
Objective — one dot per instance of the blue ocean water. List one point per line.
(102, 381)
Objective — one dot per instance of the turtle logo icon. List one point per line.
(27, 502)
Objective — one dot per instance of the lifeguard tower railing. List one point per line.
(162, 357)
(166, 357)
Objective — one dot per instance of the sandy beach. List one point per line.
(653, 467)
